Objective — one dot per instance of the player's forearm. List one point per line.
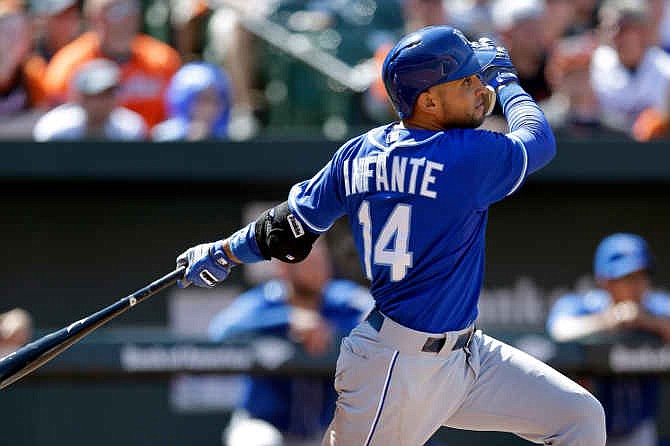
(241, 246)
(528, 123)
(571, 328)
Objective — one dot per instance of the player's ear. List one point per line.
(427, 101)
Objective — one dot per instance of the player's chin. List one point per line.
(475, 120)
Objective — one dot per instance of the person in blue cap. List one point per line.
(198, 100)
(623, 301)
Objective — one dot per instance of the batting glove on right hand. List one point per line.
(500, 70)
(206, 265)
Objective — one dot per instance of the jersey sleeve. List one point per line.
(247, 315)
(659, 304)
(568, 305)
(318, 202)
(500, 165)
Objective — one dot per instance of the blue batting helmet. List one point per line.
(428, 57)
(620, 254)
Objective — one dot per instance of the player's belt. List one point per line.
(416, 340)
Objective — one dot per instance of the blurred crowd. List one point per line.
(167, 70)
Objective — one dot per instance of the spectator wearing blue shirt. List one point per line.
(304, 303)
(623, 301)
(198, 100)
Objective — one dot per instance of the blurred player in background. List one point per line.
(198, 101)
(146, 63)
(417, 192)
(623, 301)
(94, 113)
(304, 303)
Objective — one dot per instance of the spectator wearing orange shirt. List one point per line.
(56, 23)
(146, 63)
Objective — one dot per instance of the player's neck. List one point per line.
(420, 124)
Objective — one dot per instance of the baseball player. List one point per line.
(416, 193)
(623, 301)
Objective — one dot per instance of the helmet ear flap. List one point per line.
(490, 100)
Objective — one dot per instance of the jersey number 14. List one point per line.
(396, 230)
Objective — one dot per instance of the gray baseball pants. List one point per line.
(395, 389)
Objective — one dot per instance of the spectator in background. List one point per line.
(515, 22)
(473, 17)
(307, 305)
(623, 301)
(584, 17)
(56, 23)
(198, 100)
(187, 19)
(421, 13)
(572, 108)
(662, 14)
(417, 14)
(95, 112)
(629, 74)
(146, 63)
(236, 49)
(16, 328)
(375, 101)
(559, 17)
(16, 90)
(20, 88)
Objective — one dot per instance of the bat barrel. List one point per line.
(30, 357)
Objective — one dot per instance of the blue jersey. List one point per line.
(417, 203)
(300, 406)
(628, 400)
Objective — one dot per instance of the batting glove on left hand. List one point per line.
(500, 70)
(206, 265)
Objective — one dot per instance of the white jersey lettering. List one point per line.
(429, 179)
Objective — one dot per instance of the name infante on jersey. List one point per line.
(383, 173)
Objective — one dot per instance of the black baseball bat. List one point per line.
(32, 356)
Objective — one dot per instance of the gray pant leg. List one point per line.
(514, 392)
(387, 398)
